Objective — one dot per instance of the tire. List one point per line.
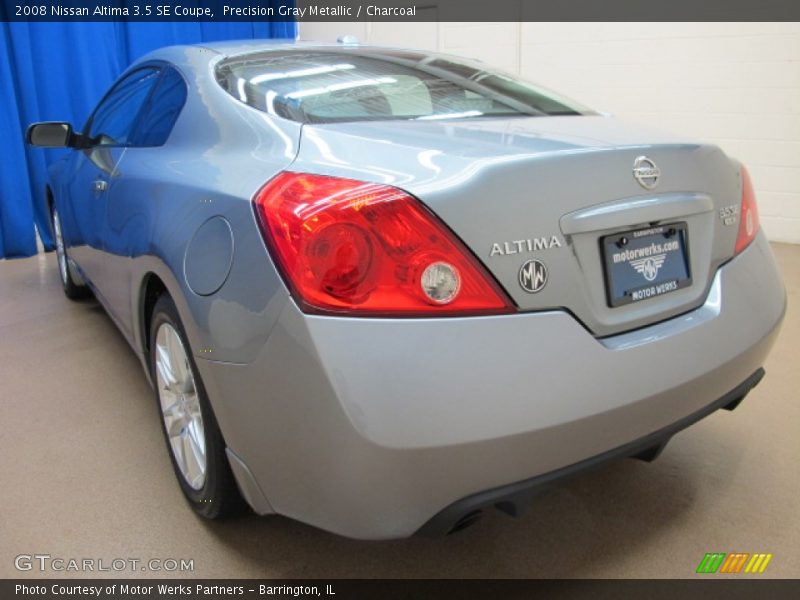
(73, 286)
(190, 429)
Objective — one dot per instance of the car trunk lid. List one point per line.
(541, 201)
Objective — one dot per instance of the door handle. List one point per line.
(99, 186)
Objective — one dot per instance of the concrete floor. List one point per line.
(85, 474)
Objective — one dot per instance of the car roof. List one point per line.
(178, 54)
(231, 47)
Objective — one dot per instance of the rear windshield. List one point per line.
(330, 86)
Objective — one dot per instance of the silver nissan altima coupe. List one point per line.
(381, 291)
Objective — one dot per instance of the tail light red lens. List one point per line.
(748, 218)
(359, 248)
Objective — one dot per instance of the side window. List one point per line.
(162, 110)
(113, 120)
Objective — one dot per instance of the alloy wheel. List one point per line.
(180, 406)
(60, 253)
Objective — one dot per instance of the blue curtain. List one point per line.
(58, 72)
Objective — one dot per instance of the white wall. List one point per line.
(734, 84)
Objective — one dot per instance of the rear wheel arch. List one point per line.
(51, 205)
(158, 280)
(152, 289)
(49, 198)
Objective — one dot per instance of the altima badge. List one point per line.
(530, 245)
(533, 276)
(646, 172)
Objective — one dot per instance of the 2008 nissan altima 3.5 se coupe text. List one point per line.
(381, 291)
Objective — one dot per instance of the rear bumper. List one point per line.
(515, 497)
(370, 427)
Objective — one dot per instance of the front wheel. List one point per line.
(195, 443)
(72, 284)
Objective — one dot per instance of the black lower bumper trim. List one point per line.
(513, 497)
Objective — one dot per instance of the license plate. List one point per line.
(646, 263)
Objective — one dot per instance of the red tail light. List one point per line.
(748, 218)
(347, 246)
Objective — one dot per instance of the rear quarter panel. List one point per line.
(218, 155)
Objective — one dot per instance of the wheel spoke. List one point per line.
(196, 460)
(176, 426)
(187, 387)
(192, 404)
(164, 367)
(195, 428)
(172, 403)
(179, 451)
(177, 357)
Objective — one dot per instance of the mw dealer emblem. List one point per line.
(533, 276)
(649, 266)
